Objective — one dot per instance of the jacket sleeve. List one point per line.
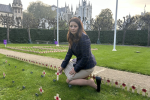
(85, 53)
(67, 58)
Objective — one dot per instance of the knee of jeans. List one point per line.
(67, 80)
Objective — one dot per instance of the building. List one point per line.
(65, 13)
(87, 13)
(14, 11)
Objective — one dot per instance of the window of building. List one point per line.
(15, 10)
(18, 10)
(87, 12)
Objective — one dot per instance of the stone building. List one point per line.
(86, 13)
(65, 13)
(15, 10)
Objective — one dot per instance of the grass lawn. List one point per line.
(32, 83)
(125, 58)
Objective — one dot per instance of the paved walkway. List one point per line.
(127, 77)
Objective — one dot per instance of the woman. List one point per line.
(79, 45)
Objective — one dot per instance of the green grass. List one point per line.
(32, 82)
(125, 58)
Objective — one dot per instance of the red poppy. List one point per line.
(133, 87)
(57, 73)
(123, 84)
(108, 81)
(57, 98)
(144, 90)
(40, 90)
(46, 64)
(93, 77)
(116, 83)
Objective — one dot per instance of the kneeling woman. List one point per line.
(80, 46)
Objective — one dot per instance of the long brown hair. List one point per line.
(70, 37)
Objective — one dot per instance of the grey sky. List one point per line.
(124, 6)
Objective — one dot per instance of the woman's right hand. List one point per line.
(60, 70)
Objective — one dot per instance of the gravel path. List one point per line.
(126, 77)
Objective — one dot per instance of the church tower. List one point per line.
(85, 12)
(17, 11)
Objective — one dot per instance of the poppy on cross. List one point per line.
(57, 97)
(41, 90)
(57, 73)
(44, 72)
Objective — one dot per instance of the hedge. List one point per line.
(133, 37)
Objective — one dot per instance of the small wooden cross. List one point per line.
(44, 72)
(4, 74)
(57, 73)
(57, 97)
(41, 90)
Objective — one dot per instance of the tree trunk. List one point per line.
(98, 41)
(54, 33)
(124, 34)
(148, 35)
(98, 34)
(29, 35)
(8, 34)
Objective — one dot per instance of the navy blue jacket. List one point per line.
(82, 50)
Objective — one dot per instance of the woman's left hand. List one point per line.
(72, 72)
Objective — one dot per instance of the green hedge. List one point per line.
(133, 37)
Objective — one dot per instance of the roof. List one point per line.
(5, 8)
(62, 10)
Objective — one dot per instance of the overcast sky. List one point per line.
(125, 7)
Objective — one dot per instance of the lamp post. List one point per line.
(82, 11)
(114, 49)
(57, 26)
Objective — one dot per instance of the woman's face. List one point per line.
(73, 27)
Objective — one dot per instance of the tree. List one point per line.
(146, 19)
(106, 17)
(63, 25)
(27, 15)
(104, 21)
(124, 25)
(135, 23)
(8, 21)
(28, 23)
(53, 23)
(41, 10)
